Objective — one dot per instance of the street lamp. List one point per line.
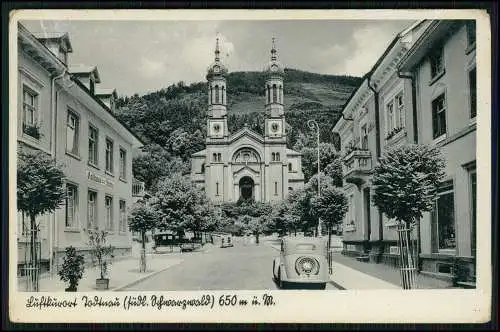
(314, 126)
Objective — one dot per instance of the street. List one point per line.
(246, 266)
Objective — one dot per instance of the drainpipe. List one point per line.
(377, 139)
(415, 140)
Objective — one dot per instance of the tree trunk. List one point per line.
(142, 267)
(257, 238)
(32, 275)
(329, 249)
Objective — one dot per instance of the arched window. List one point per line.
(268, 94)
(219, 157)
(217, 188)
(277, 156)
(290, 189)
(289, 167)
(274, 156)
(280, 95)
(275, 94)
(214, 157)
(203, 168)
(216, 94)
(222, 97)
(209, 95)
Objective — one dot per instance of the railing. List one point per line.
(356, 164)
(137, 188)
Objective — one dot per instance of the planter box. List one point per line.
(102, 284)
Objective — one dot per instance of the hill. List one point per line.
(174, 117)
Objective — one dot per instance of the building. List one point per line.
(443, 66)
(426, 74)
(246, 164)
(61, 114)
(376, 117)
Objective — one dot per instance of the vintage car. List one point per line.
(222, 240)
(302, 261)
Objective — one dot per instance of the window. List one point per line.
(217, 188)
(439, 116)
(123, 217)
(290, 189)
(471, 33)
(289, 167)
(268, 94)
(222, 96)
(92, 210)
(276, 188)
(93, 145)
(203, 168)
(277, 156)
(274, 156)
(123, 164)
(390, 117)
(30, 109)
(400, 109)
(437, 62)
(216, 94)
(71, 205)
(473, 206)
(275, 93)
(280, 95)
(219, 157)
(109, 155)
(364, 137)
(108, 204)
(444, 217)
(472, 93)
(214, 156)
(72, 129)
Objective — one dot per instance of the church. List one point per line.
(245, 164)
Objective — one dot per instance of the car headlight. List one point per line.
(307, 265)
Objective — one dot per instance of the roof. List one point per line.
(291, 152)
(84, 69)
(105, 92)
(56, 36)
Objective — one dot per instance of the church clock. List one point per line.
(275, 128)
(216, 129)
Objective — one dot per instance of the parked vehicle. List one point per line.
(167, 238)
(302, 261)
(189, 246)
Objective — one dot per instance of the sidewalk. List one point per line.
(122, 273)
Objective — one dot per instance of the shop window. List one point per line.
(444, 217)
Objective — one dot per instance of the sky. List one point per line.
(146, 56)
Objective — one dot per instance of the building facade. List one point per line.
(245, 164)
(61, 113)
(422, 90)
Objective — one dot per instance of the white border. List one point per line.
(431, 306)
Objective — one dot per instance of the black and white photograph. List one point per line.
(255, 161)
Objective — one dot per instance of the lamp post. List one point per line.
(314, 126)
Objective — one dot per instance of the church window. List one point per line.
(276, 188)
(268, 94)
(203, 168)
(214, 157)
(219, 157)
(289, 167)
(275, 94)
(222, 96)
(277, 156)
(217, 188)
(274, 156)
(209, 94)
(280, 95)
(216, 94)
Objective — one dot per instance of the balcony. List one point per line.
(357, 166)
(138, 188)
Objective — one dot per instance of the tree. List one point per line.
(327, 155)
(331, 207)
(143, 218)
(40, 190)
(405, 182)
(181, 203)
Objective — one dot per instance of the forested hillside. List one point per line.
(175, 117)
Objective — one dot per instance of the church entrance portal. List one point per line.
(247, 188)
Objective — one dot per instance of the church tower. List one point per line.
(275, 116)
(217, 98)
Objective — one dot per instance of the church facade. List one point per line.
(245, 164)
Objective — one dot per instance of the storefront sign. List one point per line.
(99, 179)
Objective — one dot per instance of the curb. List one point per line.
(143, 277)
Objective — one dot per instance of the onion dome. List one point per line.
(274, 67)
(216, 68)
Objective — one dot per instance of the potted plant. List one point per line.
(72, 268)
(100, 253)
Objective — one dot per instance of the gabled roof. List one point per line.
(84, 69)
(245, 131)
(61, 36)
(201, 153)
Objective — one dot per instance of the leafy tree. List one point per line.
(40, 190)
(100, 251)
(181, 203)
(300, 209)
(331, 207)
(405, 182)
(327, 155)
(143, 218)
(72, 268)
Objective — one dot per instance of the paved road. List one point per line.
(242, 267)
